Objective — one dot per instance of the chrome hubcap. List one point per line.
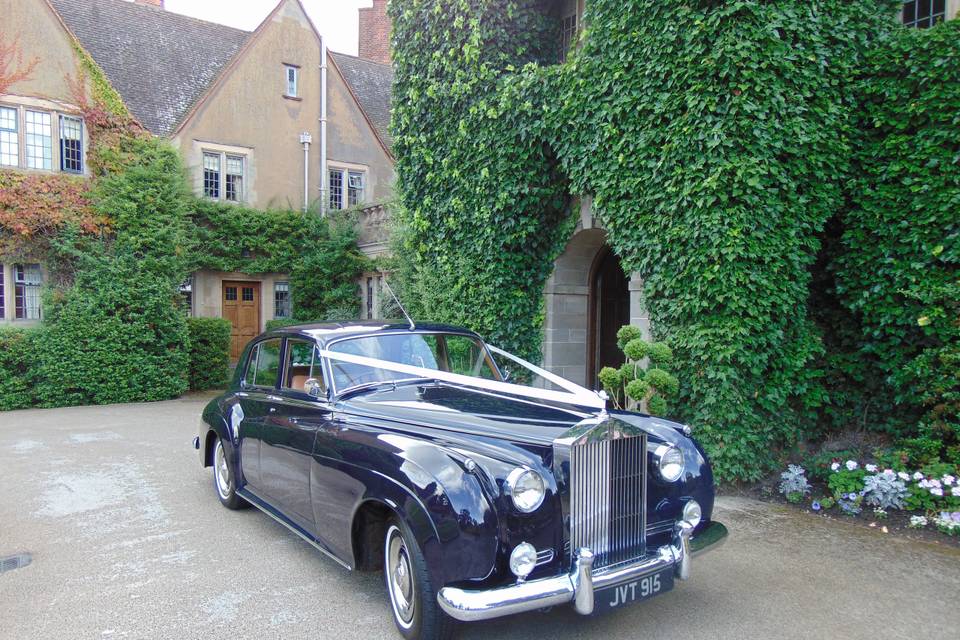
(399, 577)
(222, 472)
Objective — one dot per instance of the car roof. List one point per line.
(325, 333)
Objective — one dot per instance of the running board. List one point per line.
(273, 513)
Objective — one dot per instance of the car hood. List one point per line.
(467, 411)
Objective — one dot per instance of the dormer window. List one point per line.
(291, 75)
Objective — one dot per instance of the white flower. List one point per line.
(872, 468)
(835, 466)
(948, 479)
(937, 491)
(935, 483)
(851, 465)
(903, 475)
(918, 521)
(955, 492)
(918, 476)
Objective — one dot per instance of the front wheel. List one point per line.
(413, 598)
(223, 480)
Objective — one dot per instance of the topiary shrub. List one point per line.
(16, 368)
(209, 352)
(641, 382)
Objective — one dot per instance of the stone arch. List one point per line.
(580, 310)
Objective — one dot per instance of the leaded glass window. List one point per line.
(354, 188)
(211, 175)
(281, 300)
(71, 144)
(233, 189)
(922, 14)
(39, 140)
(336, 189)
(28, 280)
(9, 140)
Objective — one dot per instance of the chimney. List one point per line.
(150, 3)
(375, 32)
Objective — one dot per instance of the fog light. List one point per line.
(523, 560)
(692, 514)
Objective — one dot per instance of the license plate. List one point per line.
(621, 595)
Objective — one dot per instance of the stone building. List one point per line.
(267, 119)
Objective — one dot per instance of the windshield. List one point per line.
(455, 353)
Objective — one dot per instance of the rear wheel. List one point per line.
(413, 599)
(223, 480)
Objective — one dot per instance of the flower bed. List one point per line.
(929, 496)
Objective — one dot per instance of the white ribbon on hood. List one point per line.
(572, 394)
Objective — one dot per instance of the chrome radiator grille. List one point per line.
(607, 498)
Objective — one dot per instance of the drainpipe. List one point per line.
(305, 140)
(323, 127)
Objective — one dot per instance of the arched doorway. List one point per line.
(609, 310)
(587, 299)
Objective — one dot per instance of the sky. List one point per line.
(336, 20)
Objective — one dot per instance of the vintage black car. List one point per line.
(403, 448)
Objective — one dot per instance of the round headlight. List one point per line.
(692, 514)
(523, 559)
(670, 461)
(526, 488)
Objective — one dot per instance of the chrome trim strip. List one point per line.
(577, 586)
(253, 499)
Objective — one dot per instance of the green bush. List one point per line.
(116, 335)
(16, 368)
(209, 352)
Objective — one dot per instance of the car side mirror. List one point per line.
(313, 387)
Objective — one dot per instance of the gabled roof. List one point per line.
(160, 62)
(372, 84)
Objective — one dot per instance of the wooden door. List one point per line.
(610, 302)
(241, 306)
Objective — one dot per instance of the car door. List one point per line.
(297, 414)
(248, 417)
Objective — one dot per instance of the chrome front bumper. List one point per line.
(579, 585)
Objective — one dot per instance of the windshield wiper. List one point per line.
(369, 386)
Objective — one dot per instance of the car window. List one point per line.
(302, 364)
(466, 357)
(251, 371)
(268, 363)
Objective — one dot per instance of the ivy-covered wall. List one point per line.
(717, 139)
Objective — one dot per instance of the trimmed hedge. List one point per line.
(209, 352)
(16, 360)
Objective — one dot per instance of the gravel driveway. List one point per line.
(128, 540)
